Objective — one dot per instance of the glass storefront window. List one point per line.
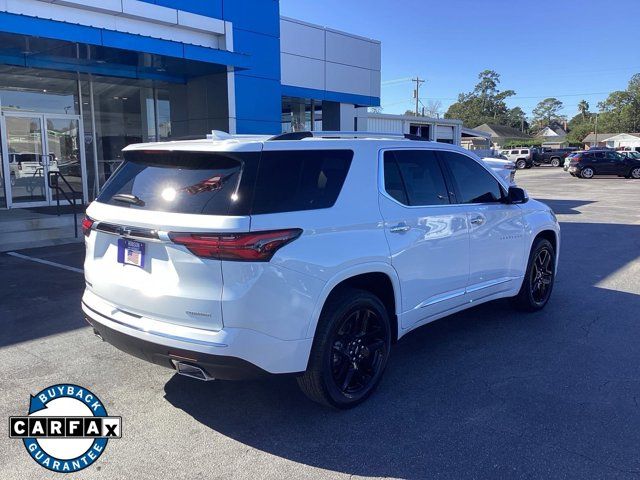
(3, 193)
(164, 114)
(63, 116)
(41, 91)
(299, 114)
(124, 114)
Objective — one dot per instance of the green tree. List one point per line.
(620, 112)
(485, 104)
(547, 111)
(516, 118)
(583, 108)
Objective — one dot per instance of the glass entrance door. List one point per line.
(36, 146)
(65, 155)
(25, 155)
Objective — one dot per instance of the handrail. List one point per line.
(55, 185)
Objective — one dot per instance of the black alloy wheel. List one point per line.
(358, 352)
(350, 350)
(542, 276)
(539, 278)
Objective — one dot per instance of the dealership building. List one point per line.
(81, 79)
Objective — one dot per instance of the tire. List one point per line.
(530, 298)
(520, 164)
(587, 172)
(555, 162)
(342, 355)
(12, 179)
(635, 173)
(539, 278)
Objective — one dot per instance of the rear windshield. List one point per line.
(228, 183)
(180, 182)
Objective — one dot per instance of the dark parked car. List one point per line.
(550, 156)
(603, 162)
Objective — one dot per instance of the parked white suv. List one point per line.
(522, 157)
(304, 253)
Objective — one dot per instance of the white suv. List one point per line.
(305, 253)
(521, 157)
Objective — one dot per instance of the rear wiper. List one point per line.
(132, 199)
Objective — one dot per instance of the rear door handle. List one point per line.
(477, 221)
(400, 228)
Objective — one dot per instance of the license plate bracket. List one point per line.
(131, 252)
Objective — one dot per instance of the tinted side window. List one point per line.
(421, 175)
(475, 184)
(297, 180)
(524, 152)
(393, 183)
(514, 152)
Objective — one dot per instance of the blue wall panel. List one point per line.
(261, 16)
(256, 32)
(312, 93)
(258, 98)
(258, 127)
(264, 52)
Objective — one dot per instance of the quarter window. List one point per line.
(290, 181)
(414, 177)
(475, 184)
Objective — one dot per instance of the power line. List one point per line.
(396, 81)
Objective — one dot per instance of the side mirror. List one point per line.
(516, 195)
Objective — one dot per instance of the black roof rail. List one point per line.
(291, 136)
(320, 134)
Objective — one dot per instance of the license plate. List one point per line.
(131, 252)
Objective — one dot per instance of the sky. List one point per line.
(569, 49)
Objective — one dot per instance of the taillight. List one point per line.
(242, 247)
(575, 159)
(19, 166)
(87, 223)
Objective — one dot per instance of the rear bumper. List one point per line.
(217, 366)
(227, 354)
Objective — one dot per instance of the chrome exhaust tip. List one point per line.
(192, 371)
(97, 334)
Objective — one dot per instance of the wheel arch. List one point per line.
(553, 236)
(381, 279)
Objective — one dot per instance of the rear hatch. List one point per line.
(132, 263)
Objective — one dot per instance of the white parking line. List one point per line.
(46, 262)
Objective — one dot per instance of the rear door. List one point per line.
(614, 164)
(496, 229)
(131, 262)
(428, 237)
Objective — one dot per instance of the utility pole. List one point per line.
(596, 129)
(416, 92)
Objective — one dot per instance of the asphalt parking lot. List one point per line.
(487, 393)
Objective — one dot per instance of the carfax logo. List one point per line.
(67, 428)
